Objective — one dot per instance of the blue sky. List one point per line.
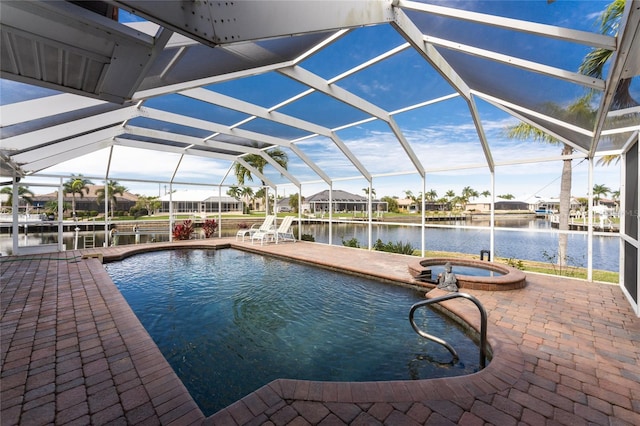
(442, 135)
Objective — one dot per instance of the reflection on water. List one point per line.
(537, 246)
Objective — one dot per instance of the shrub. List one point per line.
(399, 247)
(353, 242)
(183, 231)
(307, 237)
(209, 227)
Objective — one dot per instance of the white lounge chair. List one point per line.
(267, 225)
(284, 232)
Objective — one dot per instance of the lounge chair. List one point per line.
(267, 225)
(284, 232)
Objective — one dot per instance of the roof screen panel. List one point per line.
(609, 142)
(402, 80)
(235, 140)
(357, 46)
(515, 43)
(374, 141)
(451, 145)
(200, 61)
(576, 138)
(202, 170)
(323, 110)
(328, 156)
(13, 91)
(578, 15)
(168, 127)
(194, 108)
(155, 141)
(298, 168)
(514, 85)
(59, 119)
(272, 128)
(266, 90)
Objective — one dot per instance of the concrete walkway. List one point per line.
(72, 352)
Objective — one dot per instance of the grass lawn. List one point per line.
(540, 267)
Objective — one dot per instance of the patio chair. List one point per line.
(284, 231)
(267, 225)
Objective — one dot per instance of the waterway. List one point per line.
(519, 239)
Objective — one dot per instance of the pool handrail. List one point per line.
(483, 324)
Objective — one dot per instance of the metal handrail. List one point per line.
(483, 324)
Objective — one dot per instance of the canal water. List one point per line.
(519, 239)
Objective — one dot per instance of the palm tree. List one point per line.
(467, 194)
(593, 64)
(366, 191)
(599, 190)
(431, 195)
(247, 194)
(258, 162)
(24, 193)
(76, 185)
(607, 160)
(234, 192)
(581, 113)
(486, 193)
(526, 131)
(113, 188)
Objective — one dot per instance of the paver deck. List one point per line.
(72, 352)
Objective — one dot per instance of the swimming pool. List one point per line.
(229, 322)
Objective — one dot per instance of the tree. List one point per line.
(366, 192)
(76, 185)
(392, 203)
(607, 160)
(431, 195)
(234, 192)
(598, 191)
(486, 193)
(293, 202)
(113, 188)
(24, 193)
(525, 131)
(150, 204)
(594, 63)
(247, 194)
(467, 194)
(507, 196)
(258, 162)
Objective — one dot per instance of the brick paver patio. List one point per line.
(72, 352)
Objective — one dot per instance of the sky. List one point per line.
(441, 135)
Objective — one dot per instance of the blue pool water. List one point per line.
(230, 322)
(471, 271)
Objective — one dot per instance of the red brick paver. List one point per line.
(72, 352)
